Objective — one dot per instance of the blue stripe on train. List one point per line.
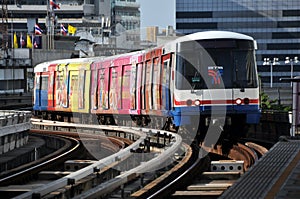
(41, 100)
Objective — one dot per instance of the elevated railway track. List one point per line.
(142, 163)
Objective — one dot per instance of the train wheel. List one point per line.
(139, 121)
(101, 120)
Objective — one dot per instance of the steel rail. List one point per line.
(40, 165)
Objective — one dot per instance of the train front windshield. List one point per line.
(218, 63)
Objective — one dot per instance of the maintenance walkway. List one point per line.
(275, 175)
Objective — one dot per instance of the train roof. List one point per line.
(42, 67)
(215, 35)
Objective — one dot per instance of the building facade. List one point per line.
(96, 24)
(274, 24)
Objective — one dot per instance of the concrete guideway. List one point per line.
(141, 133)
(14, 126)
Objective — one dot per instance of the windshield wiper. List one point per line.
(196, 79)
(237, 82)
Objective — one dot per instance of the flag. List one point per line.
(15, 41)
(71, 29)
(54, 5)
(22, 41)
(37, 30)
(29, 43)
(63, 30)
(37, 42)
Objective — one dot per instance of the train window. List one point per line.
(51, 88)
(143, 87)
(156, 84)
(94, 90)
(44, 82)
(139, 88)
(59, 86)
(133, 85)
(62, 91)
(148, 85)
(113, 89)
(37, 82)
(165, 82)
(102, 84)
(81, 85)
(126, 87)
(74, 83)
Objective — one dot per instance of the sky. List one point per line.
(159, 13)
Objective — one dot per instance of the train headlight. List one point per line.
(197, 102)
(246, 101)
(238, 101)
(189, 102)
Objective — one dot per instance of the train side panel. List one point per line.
(116, 82)
(72, 87)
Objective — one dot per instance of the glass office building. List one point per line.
(274, 24)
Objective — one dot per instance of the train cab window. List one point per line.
(215, 64)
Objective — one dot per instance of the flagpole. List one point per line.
(48, 25)
(20, 40)
(12, 33)
(32, 46)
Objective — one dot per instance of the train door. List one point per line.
(165, 82)
(37, 92)
(43, 95)
(143, 87)
(125, 88)
(81, 89)
(148, 86)
(73, 95)
(133, 87)
(113, 88)
(156, 90)
(104, 88)
(140, 87)
(62, 88)
(94, 90)
(51, 89)
(240, 75)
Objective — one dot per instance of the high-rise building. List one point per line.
(152, 33)
(126, 20)
(274, 24)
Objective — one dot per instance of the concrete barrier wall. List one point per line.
(42, 55)
(14, 126)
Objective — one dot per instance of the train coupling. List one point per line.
(218, 121)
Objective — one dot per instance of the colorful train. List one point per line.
(195, 80)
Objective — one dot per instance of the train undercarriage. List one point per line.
(203, 129)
